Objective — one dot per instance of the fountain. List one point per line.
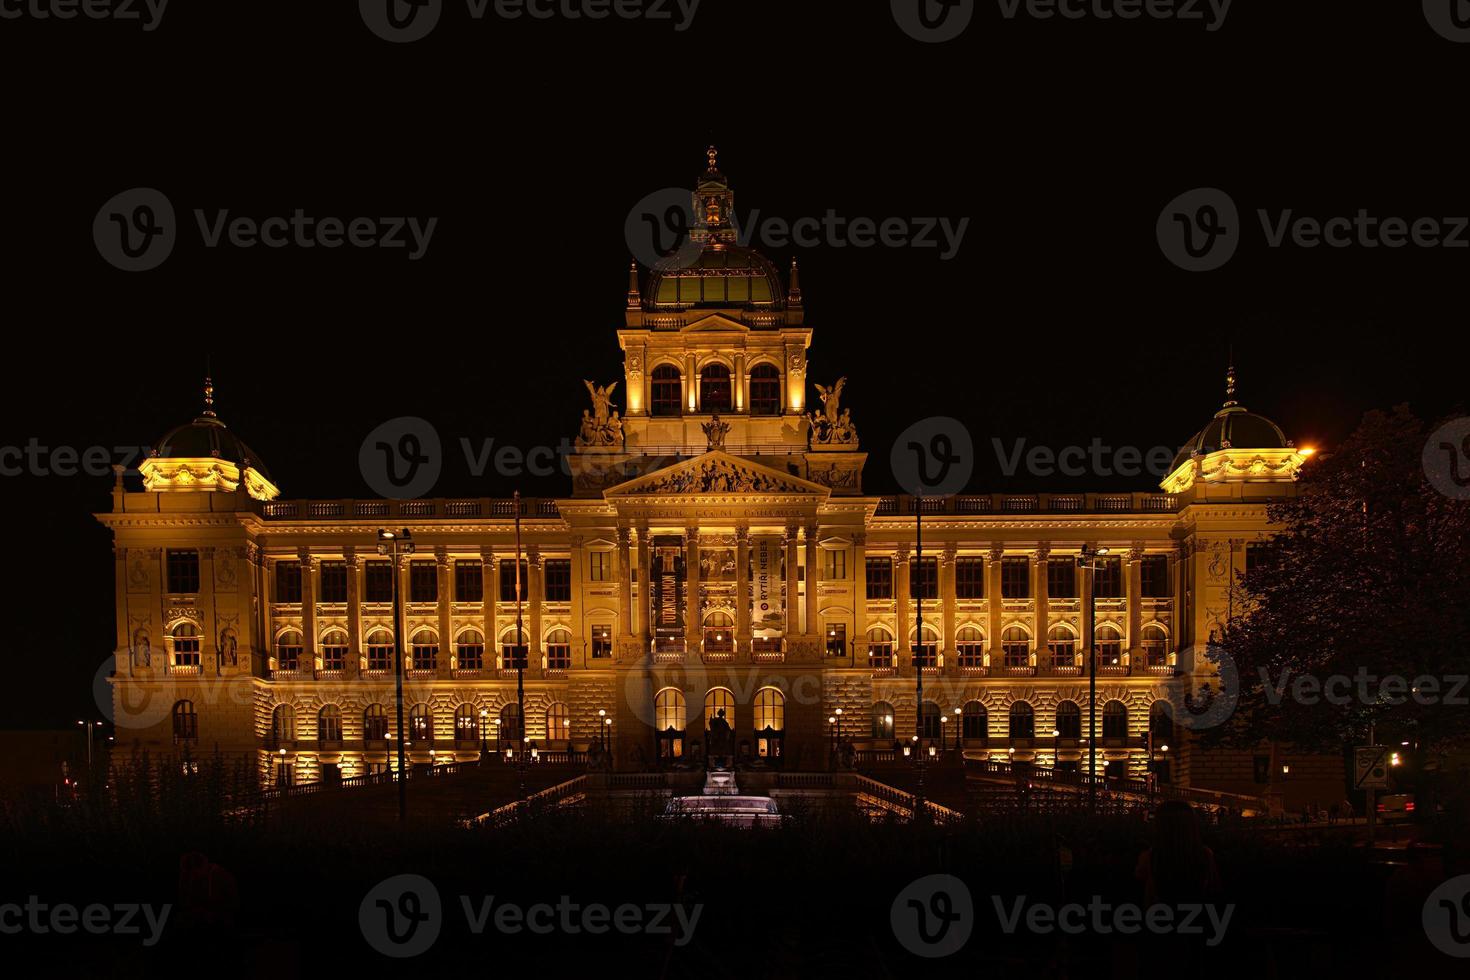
(722, 802)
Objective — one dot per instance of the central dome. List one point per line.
(1232, 428)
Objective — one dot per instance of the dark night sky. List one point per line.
(1059, 321)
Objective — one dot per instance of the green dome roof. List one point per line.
(1233, 428)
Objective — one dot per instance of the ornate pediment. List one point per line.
(714, 322)
(716, 473)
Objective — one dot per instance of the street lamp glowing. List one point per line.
(1306, 451)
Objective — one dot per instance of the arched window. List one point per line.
(770, 722)
(380, 650)
(334, 650)
(719, 633)
(1155, 646)
(718, 699)
(186, 646)
(471, 650)
(465, 727)
(510, 723)
(1016, 646)
(329, 723)
(668, 710)
(883, 720)
(558, 721)
(974, 721)
(374, 723)
(288, 651)
(1063, 646)
(1069, 720)
(425, 650)
(714, 389)
(1023, 720)
(420, 723)
(186, 722)
(765, 389)
(283, 723)
(509, 640)
(970, 644)
(558, 653)
(926, 653)
(1115, 720)
(1109, 646)
(929, 716)
(880, 648)
(667, 395)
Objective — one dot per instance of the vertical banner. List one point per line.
(765, 576)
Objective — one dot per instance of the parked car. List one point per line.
(1396, 806)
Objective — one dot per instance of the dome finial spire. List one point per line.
(208, 390)
(1230, 381)
(714, 158)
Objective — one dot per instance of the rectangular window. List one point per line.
(288, 581)
(423, 581)
(1015, 578)
(334, 581)
(469, 581)
(834, 564)
(378, 586)
(836, 639)
(558, 580)
(508, 580)
(880, 578)
(969, 578)
(602, 645)
(1061, 577)
(598, 566)
(924, 578)
(1154, 571)
(183, 571)
(1109, 581)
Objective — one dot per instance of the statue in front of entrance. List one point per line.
(721, 742)
(833, 424)
(714, 431)
(601, 426)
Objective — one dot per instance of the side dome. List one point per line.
(205, 455)
(1236, 446)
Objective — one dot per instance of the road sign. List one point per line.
(1370, 767)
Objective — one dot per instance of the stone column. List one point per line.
(625, 584)
(691, 394)
(994, 605)
(1133, 590)
(1039, 599)
(742, 589)
(537, 595)
(859, 590)
(792, 607)
(693, 625)
(490, 594)
(1179, 620)
(813, 577)
(645, 586)
(948, 599)
(446, 590)
(901, 647)
(579, 631)
(308, 609)
(741, 393)
(351, 664)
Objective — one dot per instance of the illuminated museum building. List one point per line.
(716, 551)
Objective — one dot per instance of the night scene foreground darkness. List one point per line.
(716, 710)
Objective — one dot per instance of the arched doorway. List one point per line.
(669, 720)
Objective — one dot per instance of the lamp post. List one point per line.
(1089, 562)
(943, 729)
(395, 546)
(607, 737)
(521, 653)
(919, 807)
(958, 725)
(838, 713)
(602, 728)
(832, 728)
(89, 726)
(484, 747)
(1056, 755)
